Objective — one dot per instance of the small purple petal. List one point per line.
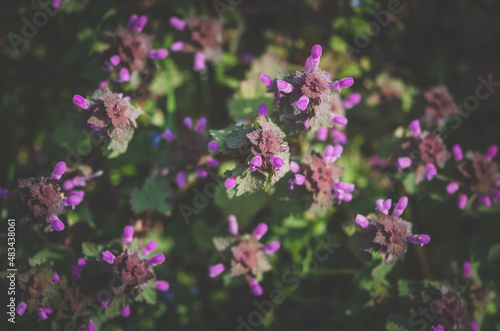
(467, 269)
(419, 239)
(277, 162)
(180, 179)
(21, 308)
(255, 286)
(162, 285)
(302, 103)
(381, 206)
(4, 194)
(300, 179)
(199, 61)
(284, 86)
(157, 259)
(59, 170)
(177, 46)
(125, 311)
(128, 234)
(474, 326)
(81, 102)
(266, 80)
(107, 256)
(140, 24)
(322, 134)
(457, 153)
(230, 183)
(260, 230)
(42, 313)
(400, 207)
(213, 146)
(201, 124)
(56, 223)
(316, 51)
(492, 152)
(115, 60)
(256, 162)
(56, 3)
(124, 75)
(56, 279)
(216, 270)
(338, 85)
(168, 135)
(362, 221)
(452, 187)
(351, 100)
(188, 122)
(341, 120)
(177, 23)
(158, 54)
(430, 170)
(271, 248)
(403, 163)
(415, 128)
(294, 167)
(262, 110)
(202, 173)
(233, 225)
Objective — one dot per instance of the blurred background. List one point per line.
(395, 50)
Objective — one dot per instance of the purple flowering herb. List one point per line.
(457, 153)
(255, 163)
(362, 221)
(177, 23)
(56, 223)
(419, 239)
(400, 207)
(128, 234)
(199, 61)
(300, 179)
(430, 171)
(233, 225)
(59, 170)
(492, 152)
(56, 279)
(415, 128)
(284, 87)
(271, 248)
(157, 259)
(180, 179)
(188, 122)
(339, 119)
(322, 134)
(149, 248)
(158, 54)
(216, 270)
(230, 183)
(162, 285)
(352, 100)
(266, 80)
(213, 146)
(42, 313)
(201, 173)
(467, 269)
(338, 136)
(260, 230)
(107, 256)
(294, 167)
(277, 162)
(255, 286)
(383, 206)
(81, 102)
(201, 125)
(115, 60)
(124, 75)
(177, 46)
(4, 194)
(262, 111)
(452, 187)
(312, 62)
(338, 85)
(125, 311)
(302, 103)
(403, 163)
(21, 308)
(168, 135)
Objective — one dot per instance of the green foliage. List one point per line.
(153, 195)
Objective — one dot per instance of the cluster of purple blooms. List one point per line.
(246, 255)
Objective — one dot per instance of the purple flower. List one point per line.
(177, 46)
(271, 248)
(125, 311)
(415, 128)
(230, 182)
(322, 134)
(213, 146)
(294, 167)
(4, 194)
(21, 308)
(260, 230)
(180, 179)
(284, 86)
(312, 61)
(362, 221)
(457, 153)
(202, 173)
(158, 54)
(419, 239)
(56, 223)
(452, 187)
(277, 162)
(462, 201)
(124, 75)
(351, 100)
(59, 170)
(149, 248)
(56, 3)
(403, 163)
(115, 60)
(492, 152)
(474, 326)
(81, 102)
(332, 153)
(177, 23)
(162, 285)
(233, 225)
(157, 259)
(338, 85)
(262, 110)
(266, 80)
(216, 270)
(255, 286)
(485, 200)
(437, 328)
(76, 269)
(188, 122)
(199, 61)
(56, 279)
(128, 234)
(383, 206)
(300, 179)
(430, 171)
(42, 313)
(107, 256)
(467, 269)
(256, 163)
(168, 135)
(302, 102)
(341, 120)
(201, 124)
(400, 207)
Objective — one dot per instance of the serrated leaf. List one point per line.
(153, 195)
(148, 295)
(91, 250)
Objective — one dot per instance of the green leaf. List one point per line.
(494, 253)
(91, 250)
(148, 295)
(153, 195)
(396, 322)
(231, 138)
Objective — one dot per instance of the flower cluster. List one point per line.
(478, 177)
(319, 175)
(305, 97)
(450, 311)
(189, 150)
(130, 49)
(112, 116)
(425, 151)
(203, 37)
(261, 154)
(115, 278)
(42, 200)
(388, 234)
(244, 254)
(438, 105)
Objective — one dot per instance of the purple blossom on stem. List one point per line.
(403, 163)
(81, 102)
(467, 269)
(177, 46)
(177, 23)
(188, 122)
(458, 155)
(230, 182)
(452, 187)
(260, 230)
(42, 313)
(302, 103)
(21, 308)
(343, 191)
(271, 248)
(430, 171)
(492, 152)
(474, 326)
(4, 194)
(437, 328)
(216, 270)
(284, 86)
(59, 170)
(199, 61)
(128, 234)
(266, 80)
(158, 54)
(107, 256)
(56, 3)
(213, 146)
(255, 286)
(419, 239)
(362, 221)
(332, 153)
(157, 259)
(400, 207)
(56, 279)
(149, 248)
(125, 311)
(180, 179)
(202, 173)
(322, 134)
(415, 128)
(162, 285)
(56, 223)
(338, 85)
(168, 135)
(351, 100)
(124, 75)
(115, 60)
(383, 206)
(462, 201)
(201, 124)
(233, 225)
(294, 167)
(262, 111)
(277, 162)
(256, 163)
(312, 61)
